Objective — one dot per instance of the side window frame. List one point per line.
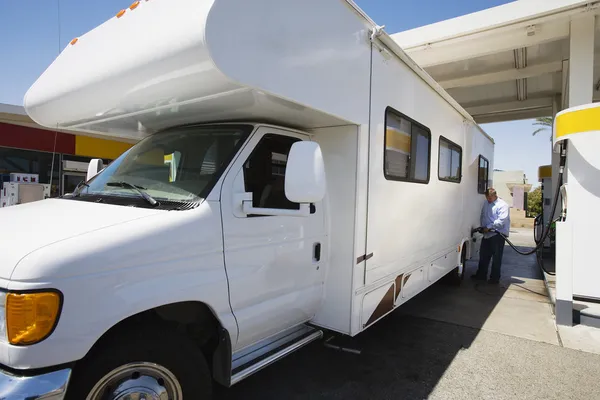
(450, 144)
(413, 122)
(487, 174)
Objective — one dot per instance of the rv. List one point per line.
(295, 173)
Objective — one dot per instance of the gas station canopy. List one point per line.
(513, 61)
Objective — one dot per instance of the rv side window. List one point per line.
(450, 160)
(407, 149)
(483, 174)
(264, 172)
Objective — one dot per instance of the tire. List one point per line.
(150, 359)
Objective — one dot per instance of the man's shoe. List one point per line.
(494, 281)
(476, 277)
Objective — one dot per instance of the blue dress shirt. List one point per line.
(496, 216)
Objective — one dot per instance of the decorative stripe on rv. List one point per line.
(388, 301)
(385, 305)
(364, 257)
(398, 285)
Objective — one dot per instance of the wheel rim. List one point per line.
(137, 381)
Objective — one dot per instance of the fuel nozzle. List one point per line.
(476, 230)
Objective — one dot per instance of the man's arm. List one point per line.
(501, 217)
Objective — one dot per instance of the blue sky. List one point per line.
(29, 41)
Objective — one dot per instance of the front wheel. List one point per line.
(153, 365)
(138, 380)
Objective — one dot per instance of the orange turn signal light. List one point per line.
(134, 5)
(31, 317)
(120, 13)
(74, 40)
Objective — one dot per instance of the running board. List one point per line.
(264, 353)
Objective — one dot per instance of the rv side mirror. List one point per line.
(305, 173)
(96, 165)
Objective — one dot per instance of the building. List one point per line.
(26, 147)
(512, 187)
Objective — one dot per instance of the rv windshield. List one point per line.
(179, 164)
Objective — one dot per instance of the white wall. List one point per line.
(502, 178)
(340, 146)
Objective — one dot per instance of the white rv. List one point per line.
(297, 172)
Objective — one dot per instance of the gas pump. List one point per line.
(571, 215)
(577, 135)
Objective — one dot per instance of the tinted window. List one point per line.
(180, 164)
(482, 179)
(264, 172)
(407, 149)
(449, 163)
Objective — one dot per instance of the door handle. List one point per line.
(317, 252)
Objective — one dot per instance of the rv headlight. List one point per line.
(28, 318)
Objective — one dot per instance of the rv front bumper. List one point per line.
(49, 386)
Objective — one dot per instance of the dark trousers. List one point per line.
(491, 247)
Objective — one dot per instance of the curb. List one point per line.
(550, 291)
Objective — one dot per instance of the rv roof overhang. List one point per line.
(188, 75)
(126, 78)
(243, 104)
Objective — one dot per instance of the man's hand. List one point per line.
(485, 230)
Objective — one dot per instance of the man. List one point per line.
(494, 215)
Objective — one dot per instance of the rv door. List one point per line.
(274, 262)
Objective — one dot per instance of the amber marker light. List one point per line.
(31, 317)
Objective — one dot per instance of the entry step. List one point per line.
(252, 359)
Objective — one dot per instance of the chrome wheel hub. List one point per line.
(137, 381)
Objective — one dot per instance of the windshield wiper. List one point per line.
(138, 189)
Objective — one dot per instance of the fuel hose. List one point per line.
(546, 231)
